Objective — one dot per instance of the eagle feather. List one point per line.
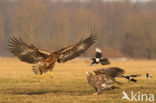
(45, 60)
(104, 78)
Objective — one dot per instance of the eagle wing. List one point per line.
(104, 61)
(25, 52)
(75, 50)
(111, 72)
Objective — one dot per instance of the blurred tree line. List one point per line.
(124, 28)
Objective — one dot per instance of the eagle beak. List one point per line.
(87, 73)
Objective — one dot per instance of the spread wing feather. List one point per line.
(75, 50)
(112, 72)
(25, 52)
(104, 61)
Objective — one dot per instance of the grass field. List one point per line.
(18, 84)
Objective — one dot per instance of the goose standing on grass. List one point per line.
(98, 59)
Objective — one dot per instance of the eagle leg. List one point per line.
(95, 92)
(42, 71)
(99, 89)
(42, 75)
(51, 69)
(51, 75)
(95, 89)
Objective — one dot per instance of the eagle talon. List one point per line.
(42, 75)
(51, 75)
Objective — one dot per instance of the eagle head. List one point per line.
(90, 78)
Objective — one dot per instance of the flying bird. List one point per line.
(98, 59)
(45, 61)
(148, 76)
(104, 78)
(131, 77)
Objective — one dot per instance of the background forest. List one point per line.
(125, 29)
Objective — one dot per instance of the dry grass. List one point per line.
(18, 84)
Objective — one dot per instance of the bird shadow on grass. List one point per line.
(31, 93)
(64, 92)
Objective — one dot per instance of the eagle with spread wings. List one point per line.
(45, 61)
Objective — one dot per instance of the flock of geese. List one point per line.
(103, 79)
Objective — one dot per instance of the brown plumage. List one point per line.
(45, 61)
(112, 71)
(104, 78)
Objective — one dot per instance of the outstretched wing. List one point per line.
(75, 50)
(26, 53)
(104, 61)
(111, 72)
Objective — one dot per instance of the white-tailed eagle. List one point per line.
(104, 78)
(45, 61)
